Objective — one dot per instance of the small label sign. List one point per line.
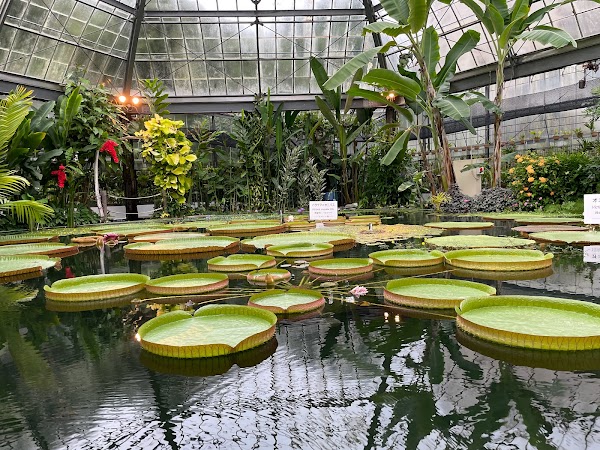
(323, 210)
(591, 209)
(591, 253)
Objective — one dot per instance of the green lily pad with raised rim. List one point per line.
(197, 224)
(266, 276)
(567, 237)
(501, 275)
(292, 301)
(240, 263)
(26, 238)
(482, 241)
(155, 237)
(214, 330)
(302, 237)
(180, 246)
(11, 266)
(341, 266)
(44, 248)
(188, 283)
(460, 225)
(244, 229)
(533, 220)
(544, 323)
(433, 293)
(132, 230)
(300, 250)
(407, 258)
(96, 287)
(499, 259)
(526, 230)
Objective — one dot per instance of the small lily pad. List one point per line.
(240, 263)
(407, 258)
(341, 266)
(188, 283)
(245, 229)
(268, 276)
(291, 301)
(301, 250)
(302, 237)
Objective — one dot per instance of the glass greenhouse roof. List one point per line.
(222, 47)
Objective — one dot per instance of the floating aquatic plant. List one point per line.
(182, 246)
(12, 266)
(290, 301)
(460, 225)
(302, 250)
(50, 248)
(245, 229)
(240, 263)
(188, 283)
(384, 233)
(567, 237)
(482, 241)
(155, 237)
(268, 276)
(341, 266)
(338, 240)
(407, 258)
(499, 259)
(544, 323)
(96, 287)
(26, 238)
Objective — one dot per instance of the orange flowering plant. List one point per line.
(533, 178)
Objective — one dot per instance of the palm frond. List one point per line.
(27, 211)
(11, 184)
(13, 110)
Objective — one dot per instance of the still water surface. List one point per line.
(346, 378)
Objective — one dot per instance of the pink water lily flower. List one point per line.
(359, 291)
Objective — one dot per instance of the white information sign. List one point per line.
(591, 253)
(591, 209)
(323, 210)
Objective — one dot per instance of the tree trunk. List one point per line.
(427, 169)
(97, 187)
(448, 176)
(496, 180)
(130, 186)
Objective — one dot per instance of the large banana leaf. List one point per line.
(453, 107)
(398, 147)
(388, 79)
(377, 97)
(546, 35)
(417, 18)
(465, 43)
(397, 9)
(320, 74)
(348, 69)
(431, 49)
(388, 28)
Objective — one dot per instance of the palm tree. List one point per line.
(13, 110)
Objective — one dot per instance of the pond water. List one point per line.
(352, 376)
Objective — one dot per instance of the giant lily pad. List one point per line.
(299, 225)
(533, 220)
(302, 237)
(460, 225)
(526, 230)
(482, 241)
(213, 330)
(433, 293)
(341, 266)
(291, 301)
(11, 266)
(300, 250)
(26, 238)
(240, 263)
(384, 233)
(155, 237)
(197, 225)
(131, 230)
(181, 246)
(188, 283)
(50, 248)
(543, 323)
(96, 287)
(245, 229)
(501, 259)
(407, 258)
(567, 237)
(268, 276)
(373, 219)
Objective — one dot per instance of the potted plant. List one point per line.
(536, 135)
(556, 135)
(591, 125)
(522, 138)
(566, 134)
(578, 132)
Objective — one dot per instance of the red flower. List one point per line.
(61, 176)
(69, 273)
(110, 148)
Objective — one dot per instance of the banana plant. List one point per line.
(425, 88)
(330, 106)
(506, 27)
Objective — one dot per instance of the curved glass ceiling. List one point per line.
(222, 47)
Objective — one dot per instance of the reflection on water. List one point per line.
(352, 377)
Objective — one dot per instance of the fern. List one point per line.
(156, 98)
